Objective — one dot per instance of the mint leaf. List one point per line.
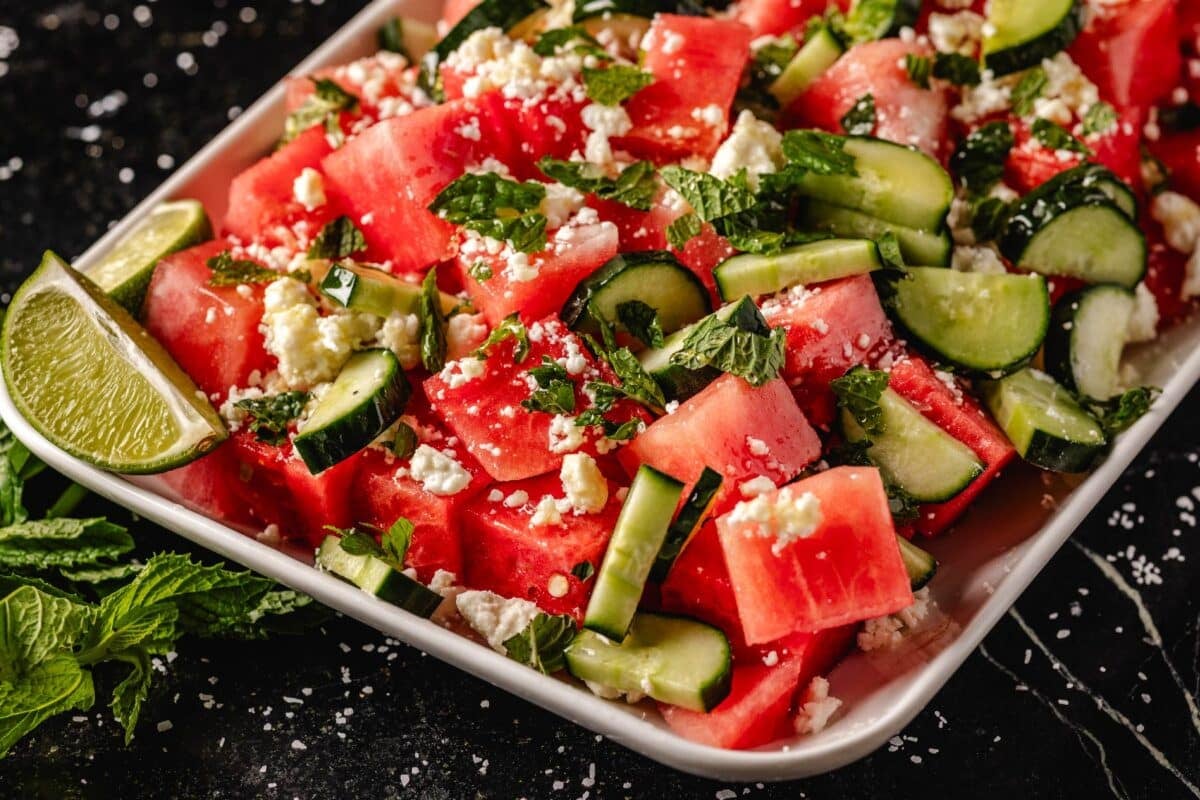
(34, 625)
(1056, 137)
(613, 85)
(859, 391)
(11, 488)
(53, 686)
(918, 69)
(1028, 89)
(582, 42)
(979, 159)
(432, 324)
(44, 544)
(480, 271)
(889, 250)
(230, 271)
(957, 69)
(1119, 414)
(860, 119)
(636, 383)
(988, 216)
(709, 196)
(634, 187)
(583, 570)
(904, 507)
(1099, 118)
(869, 20)
(128, 695)
(772, 58)
(496, 207)
(405, 443)
(683, 230)
(510, 327)
(543, 642)
(357, 543)
(323, 107)
(396, 540)
(271, 415)
(339, 238)
(818, 152)
(743, 345)
(641, 320)
(555, 393)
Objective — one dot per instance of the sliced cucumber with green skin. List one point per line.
(368, 395)
(870, 20)
(895, 183)
(636, 541)
(1075, 231)
(125, 270)
(978, 322)
(817, 55)
(680, 383)
(1023, 33)
(376, 576)
(921, 566)
(1044, 421)
(928, 248)
(1089, 176)
(674, 660)
(374, 291)
(915, 454)
(506, 15)
(689, 519)
(815, 262)
(1088, 331)
(653, 277)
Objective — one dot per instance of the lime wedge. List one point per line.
(124, 272)
(95, 383)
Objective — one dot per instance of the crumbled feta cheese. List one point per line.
(464, 332)
(711, 115)
(988, 97)
(977, 259)
(229, 411)
(560, 204)
(757, 447)
(956, 33)
(518, 268)
(1143, 323)
(437, 472)
(311, 349)
(1180, 218)
(784, 516)
(445, 583)
(888, 631)
(517, 499)
(603, 122)
(756, 486)
(1066, 83)
(495, 618)
(461, 372)
(817, 706)
(309, 189)
(754, 146)
(546, 513)
(583, 483)
(564, 435)
(401, 333)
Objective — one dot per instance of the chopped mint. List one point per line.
(271, 415)
(859, 391)
(230, 271)
(613, 85)
(543, 642)
(339, 238)
(860, 119)
(979, 160)
(1056, 137)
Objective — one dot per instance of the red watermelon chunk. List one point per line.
(1030, 163)
(262, 198)
(942, 400)
(761, 703)
(1180, 154)
(385, 85)
(847, 570)
(574, 252)
(387, 176)
(1166, 271)
(738, 430)
(306, 503)
(212, 331)
(513, 557)
(697, 65)
(831, 327)
(211, 486)
(1131, 52)
(698, 586)
(904, 112)
(512, 442)
(776, 17)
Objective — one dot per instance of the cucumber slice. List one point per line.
(368, 395)
(818, 54)
(124, 272)
(750, 274)
(869, 20)
(1095, 176)
(895, 183)
(1075, 231)
(1044, 421)
(376, 576)
(507, 15)
(680, 383)
(928, 248)
(654, 277)
(1022, 34)
(915, 454)
(645, 9)
(374, 291)
(689, 519)
(409, 37)
(1088, 331)
(636, 540)
(921, 566)
(979, 322)
(674, 660)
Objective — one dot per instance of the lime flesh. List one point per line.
(124, 272)
(95, 383)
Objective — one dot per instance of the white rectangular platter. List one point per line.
(986, 563)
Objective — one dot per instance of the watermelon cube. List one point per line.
(847, 569)
(515, 556)
(741, 431)
(698, 586)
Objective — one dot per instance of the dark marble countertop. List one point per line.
(1088, 688)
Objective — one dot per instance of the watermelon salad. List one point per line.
(648, 340)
